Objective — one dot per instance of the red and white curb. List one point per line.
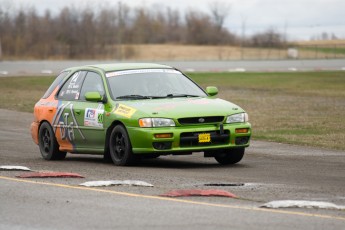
(49, 175)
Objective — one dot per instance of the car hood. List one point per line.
(182, 107)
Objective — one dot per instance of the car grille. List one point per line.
(192, 139)
(200, 120)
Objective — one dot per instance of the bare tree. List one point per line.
(269, 38)
(86, 32)
(219, 11)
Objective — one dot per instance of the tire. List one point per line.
(230, 156)
(120, 147)
(106, 157)
(49, 147)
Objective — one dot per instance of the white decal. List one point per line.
(66, 129)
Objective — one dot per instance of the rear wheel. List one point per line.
(230, 156)
(49, 147)
(120, 147)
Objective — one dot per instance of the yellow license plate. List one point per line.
(204, 137)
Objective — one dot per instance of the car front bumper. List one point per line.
(186, 138)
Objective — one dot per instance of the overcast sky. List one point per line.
(300, 19)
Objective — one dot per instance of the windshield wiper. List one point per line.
(133, 97)
(181, 95)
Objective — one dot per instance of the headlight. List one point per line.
(156, 122)
(237, 118)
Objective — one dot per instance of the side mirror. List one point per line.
(211, 90)
(94, 96)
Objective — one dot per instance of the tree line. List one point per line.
(87, 32)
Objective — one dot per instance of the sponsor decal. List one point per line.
(125, 111)
(93, 117)
(136, 71)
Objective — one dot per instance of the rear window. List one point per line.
(56, 82)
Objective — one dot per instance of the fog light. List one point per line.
(242, 140)
(163, 135)
(242, 130)
(162, 145)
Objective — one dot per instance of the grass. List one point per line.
(298, 108)
(21, 93)
(305, 108)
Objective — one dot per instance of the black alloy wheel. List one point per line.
(49, 147)
(120, 147)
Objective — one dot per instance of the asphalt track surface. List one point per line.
(29, 68)
(269, 171)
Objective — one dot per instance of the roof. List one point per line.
(129, 66)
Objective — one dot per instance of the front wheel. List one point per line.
(49, 147)
(230, 156)
(120, 147)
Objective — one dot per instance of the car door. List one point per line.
(66, 123)
(90, 116)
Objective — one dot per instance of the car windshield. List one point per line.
(151, 84)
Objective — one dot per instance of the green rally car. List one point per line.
(129, 111)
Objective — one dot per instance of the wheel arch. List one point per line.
(35, 128)
(42, 121)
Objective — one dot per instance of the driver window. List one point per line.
(92, 83)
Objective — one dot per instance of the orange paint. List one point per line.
(45, 110)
